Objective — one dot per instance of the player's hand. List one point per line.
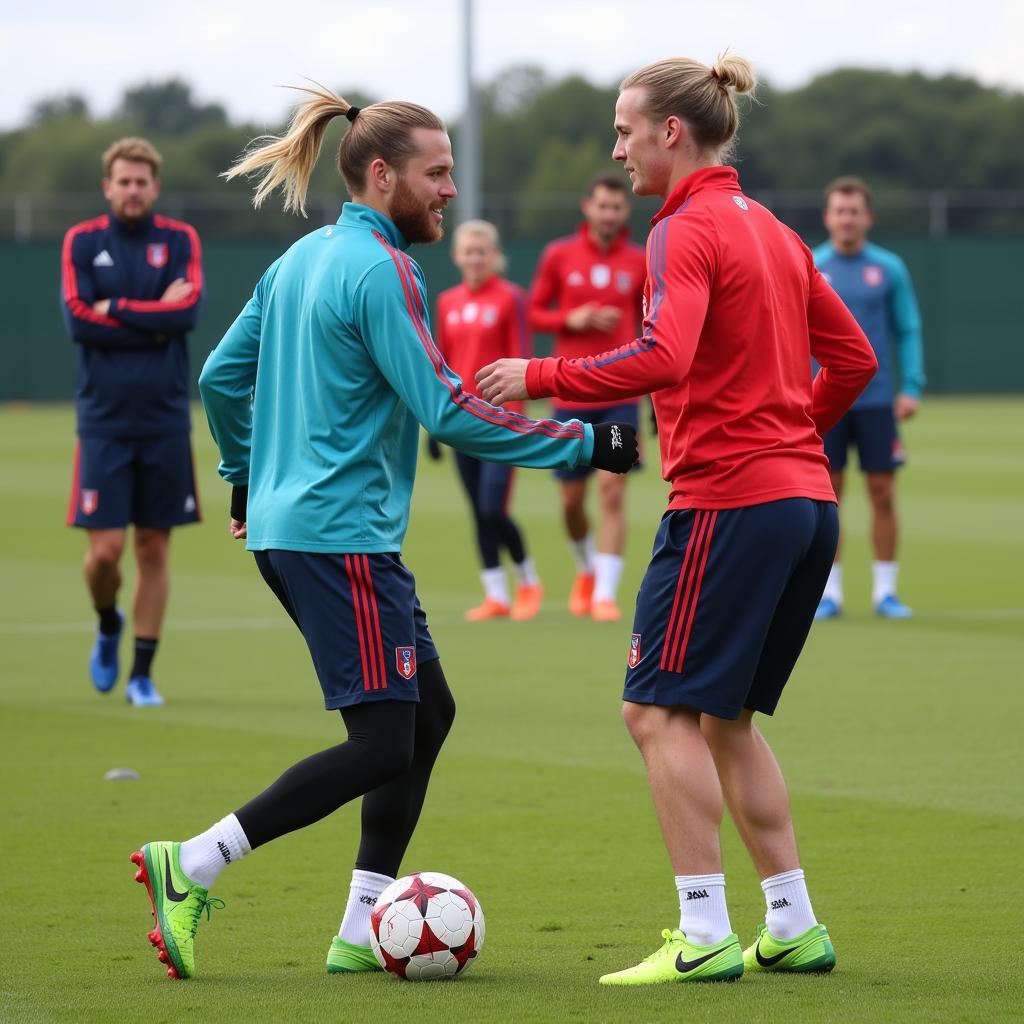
(433, 449)
(582, 317)
(606, 318)
(237, 530)
(503, 381)
(615, 447)
(906, 407)
(102, 306)
(177, 291)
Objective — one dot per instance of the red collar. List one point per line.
(622, 239)
(723, 179)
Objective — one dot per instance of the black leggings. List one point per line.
(487, 487)
(387, 760)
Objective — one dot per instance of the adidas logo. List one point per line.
(103, 259)
(370, 901)
(779, 904)
(224, 852)
(697, 894)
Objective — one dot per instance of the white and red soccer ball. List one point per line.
(426, 926)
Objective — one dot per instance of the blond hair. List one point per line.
(381, 130)
(135, 149)
(481, 229)
(704, 97)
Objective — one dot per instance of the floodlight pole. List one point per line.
(467, 167)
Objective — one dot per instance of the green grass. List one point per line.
(900, 741)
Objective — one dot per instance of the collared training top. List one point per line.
(315, 393)
(734, 311)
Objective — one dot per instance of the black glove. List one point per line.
(615, 447)
(433, 449)
(239, 503)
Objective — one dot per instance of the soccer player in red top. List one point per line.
(594, 280)
(479, 321)
(735, 309)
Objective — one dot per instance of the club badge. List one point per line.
(405, 661)
(634, 650)
(156, 254)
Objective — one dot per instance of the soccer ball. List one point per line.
(426, 926)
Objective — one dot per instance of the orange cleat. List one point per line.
(490, 609)
(605, 611)
(527, 601)
(581, 594)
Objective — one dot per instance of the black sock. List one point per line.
(145, 650)
(110, 622)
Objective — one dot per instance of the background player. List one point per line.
(594, 281)
(875, 285)
(132, 285)
(478, 321)
(315, 398)
(735, 309)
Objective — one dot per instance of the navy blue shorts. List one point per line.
(148, 481)
(874, 432)
(628, 413)
(361, 620)
(727, 603)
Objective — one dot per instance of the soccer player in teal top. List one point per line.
(876, 288)
(314, 397)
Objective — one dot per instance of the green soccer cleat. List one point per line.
(681, 960)
(346, 958)
(178, 903)
(810, 953)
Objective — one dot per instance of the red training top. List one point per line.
(576, 270)
(475, 328)
(734, 311)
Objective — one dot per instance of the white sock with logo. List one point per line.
(788, 912)
(834, 586)
(362, 898)
(883, 576)
(608, 572)
(495, 584)
(703, 915)
(204, 857)
(583, 553)
(527, 572)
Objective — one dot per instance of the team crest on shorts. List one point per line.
(873, 275)
(156, 254)
(405, 661)
(89, 502)
(634, 650)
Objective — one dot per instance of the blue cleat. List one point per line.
(103, 664)
(891, 607)
(828, 609)
(141, 693)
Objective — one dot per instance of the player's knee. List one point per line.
(106, 554)
(639, 722)
(882, 493)
(151, 551)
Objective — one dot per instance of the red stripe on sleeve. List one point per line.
(69, 276)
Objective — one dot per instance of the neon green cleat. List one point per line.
(178, 903)
(347, 958)
(809, 953)
(681, 960)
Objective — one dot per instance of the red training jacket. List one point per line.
(734, 311)
(576, 270)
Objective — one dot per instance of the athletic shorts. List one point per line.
(627, 413)
(727, 603)
(361, 620)
(148, 481)
(874, 432)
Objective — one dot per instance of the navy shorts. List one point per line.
(361, 620)
(628, 413)
(148, 481)
(874, 432)
(727, 603)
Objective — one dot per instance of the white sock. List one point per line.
(527, 572)
(834, 586)
(883, 580)
(608, 572)
(583, 553)
(495, 584)
(208, 854)
(703, 915)
(362, 898)
(789, 912)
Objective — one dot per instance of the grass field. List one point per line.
(901, 742)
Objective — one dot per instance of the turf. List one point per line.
(900, 741)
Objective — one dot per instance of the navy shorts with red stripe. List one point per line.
(874, 432)
(727, 603)
(148, 481)
(361, 620)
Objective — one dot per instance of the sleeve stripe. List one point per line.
(193, 272)
(81, 310)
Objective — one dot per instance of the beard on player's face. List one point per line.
(413, 215)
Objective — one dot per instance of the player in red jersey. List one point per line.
(478, 321)
(594, 280)
(735, 309)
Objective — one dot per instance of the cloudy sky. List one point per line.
(235, 53)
